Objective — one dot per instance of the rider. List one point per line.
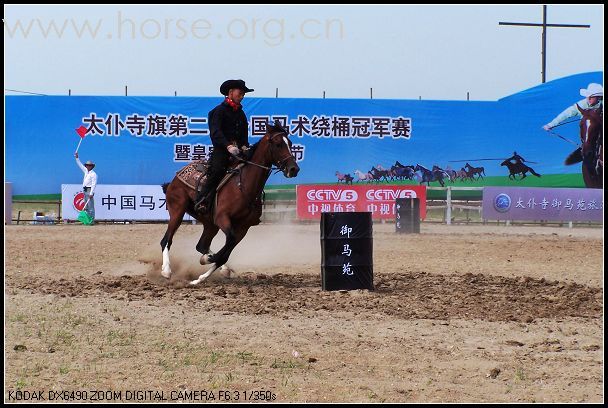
(517, 158)
(594, 95)
(228, 129)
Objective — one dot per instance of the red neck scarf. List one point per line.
(235, 106)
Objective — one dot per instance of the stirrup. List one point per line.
(201, 205)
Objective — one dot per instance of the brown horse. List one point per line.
(235, 210)
(592, 149)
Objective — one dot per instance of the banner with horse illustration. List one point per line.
(145, 140)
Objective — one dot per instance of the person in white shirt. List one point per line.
(594, 96)
(88, 185)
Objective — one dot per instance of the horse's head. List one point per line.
(504, 163)
(279, 147)
(591, 125)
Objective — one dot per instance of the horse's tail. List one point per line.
(533, 172)
(165, 186)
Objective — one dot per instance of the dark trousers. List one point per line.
(218, 163)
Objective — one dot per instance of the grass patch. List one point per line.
(519, 374)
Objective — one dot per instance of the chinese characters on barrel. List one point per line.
(345, 230)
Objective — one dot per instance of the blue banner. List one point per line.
(145, 140)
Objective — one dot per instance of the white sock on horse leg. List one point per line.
(166, 269)
(204, 276)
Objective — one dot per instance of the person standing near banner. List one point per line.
(229, 134)
(88, 185)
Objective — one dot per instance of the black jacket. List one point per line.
(227, 126)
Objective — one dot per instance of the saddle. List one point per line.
(194, 174)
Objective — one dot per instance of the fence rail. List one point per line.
(284, 209)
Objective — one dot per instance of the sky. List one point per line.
(401, 52)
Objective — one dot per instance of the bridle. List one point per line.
(280, 163)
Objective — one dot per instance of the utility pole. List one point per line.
(544, 25)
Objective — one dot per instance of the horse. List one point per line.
(364, 176)
(345, 178)
(452, 173)
(439, 173)
(428, 176)
(403, 171)
(377, 174)
(518, 168)
(235, 209)
(463, 174)
(472, 171)
(592, 149)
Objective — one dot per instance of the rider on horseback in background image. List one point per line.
(517, 158)
(594, 95)
(229, 135)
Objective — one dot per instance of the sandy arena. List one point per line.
(459, 314)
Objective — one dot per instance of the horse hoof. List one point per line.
(226, 272)
(206, 259)
(196, 282)
(165, 274)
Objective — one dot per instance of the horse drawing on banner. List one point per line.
(378, 174)
(475, 171)
(592, 149)
(364, 176)
(344, 178)
(428, 176)
(518, 168)
(237, 203)
(403, 172)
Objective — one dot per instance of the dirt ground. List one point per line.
(459, 314)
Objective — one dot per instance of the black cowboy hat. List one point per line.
(233, 84)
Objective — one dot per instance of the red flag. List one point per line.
(82, 131)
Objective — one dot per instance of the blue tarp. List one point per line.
(145, 140)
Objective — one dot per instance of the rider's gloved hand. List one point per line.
(232, 149)
(547, 127)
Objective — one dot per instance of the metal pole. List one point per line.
(323, 94)
(371, 93)
(448, 206)
(125, 90)
(467, 95)
(544, 46)
(69, 92)
(277, 93)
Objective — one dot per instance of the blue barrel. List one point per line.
(347, 251)
(407, 215)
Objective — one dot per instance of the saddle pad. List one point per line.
(192, 172)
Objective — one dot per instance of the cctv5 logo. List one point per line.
(389, 195)
(332, 195)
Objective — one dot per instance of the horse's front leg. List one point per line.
(233, 237)
(204, 243)
(176, 215)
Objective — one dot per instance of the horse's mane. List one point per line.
(276, 127)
